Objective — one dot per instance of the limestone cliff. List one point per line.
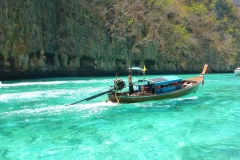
(82, 37)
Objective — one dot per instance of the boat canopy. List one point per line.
(164, 80)
(136, 68)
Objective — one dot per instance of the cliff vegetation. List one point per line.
(101, 37)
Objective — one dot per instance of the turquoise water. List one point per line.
(36, 123)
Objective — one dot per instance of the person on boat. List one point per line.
(151, 88)
(130, 83)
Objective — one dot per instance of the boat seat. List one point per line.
(178, 87)
(159, 91)
(168, 89)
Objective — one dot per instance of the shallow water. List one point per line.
(36, 123)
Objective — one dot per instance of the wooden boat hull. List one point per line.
(125, 98)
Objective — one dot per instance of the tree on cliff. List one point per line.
(203, 30)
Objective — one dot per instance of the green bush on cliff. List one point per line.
(197, 8)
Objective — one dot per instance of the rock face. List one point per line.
(97, 38)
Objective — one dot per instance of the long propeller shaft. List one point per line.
(92, 97)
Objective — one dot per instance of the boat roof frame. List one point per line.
(163, 80)
(135, 68)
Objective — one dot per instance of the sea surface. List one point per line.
(36, 122)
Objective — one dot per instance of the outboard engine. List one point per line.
(119, 84)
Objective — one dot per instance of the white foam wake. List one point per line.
(54, 83)
(188, 98)
(92, 108)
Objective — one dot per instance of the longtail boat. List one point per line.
(157, 88)
(237, 71)
(151, 89)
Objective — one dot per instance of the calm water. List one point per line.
(36, 123)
